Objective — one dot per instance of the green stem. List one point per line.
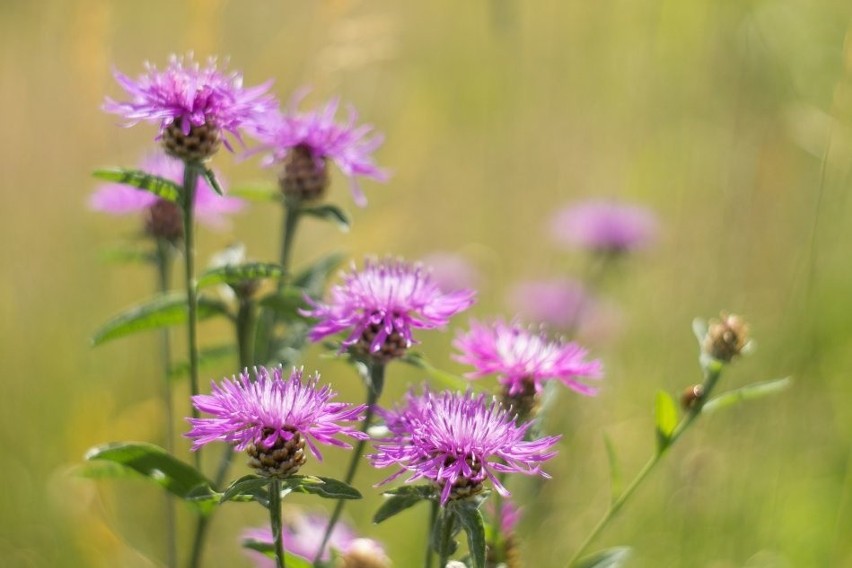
(433, 518)
(712, 377)
(374, 391)
(164, 265)
(190, 181)
(275, 522)
(446, 536)
(292, 214)
(198, 542)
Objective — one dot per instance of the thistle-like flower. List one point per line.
(193, 105)
(380, 305)
(604, 226)
(163, 218)
(523, 360)
(304, 143)
(302, 535)
(458, 441)
(560, 303)
(272, 418)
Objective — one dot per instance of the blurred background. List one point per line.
(731, 120)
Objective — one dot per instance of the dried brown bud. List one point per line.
(726, 337)
(691, 396)
(164, 220)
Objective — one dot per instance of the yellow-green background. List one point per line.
(730, 118)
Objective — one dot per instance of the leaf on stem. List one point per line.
(331, 213)
(453, 381)
(126, 254)
(665, 417)
(313, 278)
(470, 518)
(211, 179)
(748, 392)
(256, 193)
(325, 487)
(610, 558)
(161, 311)
(247, 488)
(207, 357)
(268, 549)
(149, 461)
(234, 274)
(402, 498)
(286, 303)
(161, 187)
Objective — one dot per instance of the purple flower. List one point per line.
(560, 303)
(302, 535)
(312, 138)
(457, 441)
(185, 96)
(452, 271)
(380, 305)
(210, 207)
(604, 226)
(522, 357)
(271, 414)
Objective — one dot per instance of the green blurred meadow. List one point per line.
(731, 119)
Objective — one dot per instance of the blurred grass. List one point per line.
(731, 119)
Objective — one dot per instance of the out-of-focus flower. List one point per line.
(193, 105)
(302, 536)
(304, 142)
(452, 271)
(561, 303)
(605, 226)
(523, 358)
(380, 305)
(163, 218)
(273, 418)
(457, 441)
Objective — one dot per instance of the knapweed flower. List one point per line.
(380, 305)
(605, 226)
(560, 303)
(458, 441)
(452, 271)
(523, 359)
(272, 418)
(304, 143)
(193, 105)
(163, 218)
(302, 536)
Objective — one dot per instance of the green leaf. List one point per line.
(401, 499)
(614, 469)
(207, 357)
(161, 311)
(125, 254)
(161, 187)
(247, 488)
(211, 179)
(748, 392)
(665, 416)
(450, 380)
(268, 549)
(609, 558)
(234, 274)
(286, 303)
(151, 462)
(256, 193)
(325, 487)
(471, 521)
(313, 278)
(331, 213)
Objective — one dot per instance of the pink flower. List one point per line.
(604, 226)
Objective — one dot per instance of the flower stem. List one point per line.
(292, 214)
(275, 522)
(712, 376)
(190, 181)
(446, 536)
(430, 530)
(163, 261)
(198, 542)
(374, 391)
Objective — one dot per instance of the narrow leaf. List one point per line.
(609, 558)
(471, 520)
(268, 549)
(246, 488)
(256, 193)
(614, 468)
(207, 357)
(331, 213)
(322, 486)
(234, 274)
(286, 303)
(211, 179)
(126, 254)
(161, 311)
(665, 416)
(748, 392)
(452, 381)
(313, 278)
(153, 463)
(401, 499)
(161, 187)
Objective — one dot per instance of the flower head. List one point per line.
(560, 303)
(381, 304)
(603, 226)
(302, 535)
(210, 208)
(457, 441)
(192, 104)
(452, 271)
(304, 143)
(524, 358)
(273, 418)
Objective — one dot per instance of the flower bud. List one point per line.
(304, 177)
(164, 220)
(198, 145)
(364, 553)
(691, 396)
(726, 337)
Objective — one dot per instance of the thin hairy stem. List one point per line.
(190, 182)
(275, 522)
